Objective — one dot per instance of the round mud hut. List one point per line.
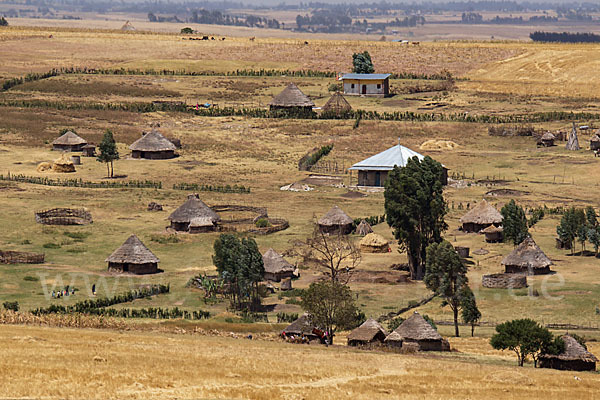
(374, 243)
(337, 105)
(480, 217)
(416, 332)
(369, 332)
(493, 234)
(336, 221)
(575, 357)
(133, 257)
(363, 228)
(293, 100)
(152, 146)
(527, 258)
(70, 141)
(194, 212)
(276, 267)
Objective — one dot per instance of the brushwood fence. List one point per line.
(21, 257)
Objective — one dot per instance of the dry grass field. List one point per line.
(263, 154)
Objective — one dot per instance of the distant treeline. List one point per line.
(564, 37)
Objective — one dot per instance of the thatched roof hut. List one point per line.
(374, 243)
(152, 146)
(69, 141)
(527, 258)
(337, 104)
(493, 234)
(369, 332)
(134, 257)
(416, 330)
(595, 142)
(291, 98)
(363, 228)
(190, 210)
(303, 327)
(336, 221)
(575, 357)
(276, 267)
(547, 139)
(480, 217)
(63, 164)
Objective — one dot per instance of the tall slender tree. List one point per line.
(108, 152)
(470, 313)
(415, 209)
(514, 223)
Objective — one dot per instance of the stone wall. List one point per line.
(504, 281)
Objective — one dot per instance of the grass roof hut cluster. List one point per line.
(336, 221)
(575, 357)
(480, 217)
(369, 332)
(303, 327)
(133, 257)
(152, 146)
(417, 333)
(194, 216)
(292, 99)
(69, 141)
(527, 258)
(276, 267)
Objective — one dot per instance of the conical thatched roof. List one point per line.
(133, 251)
(548, 136)
(291, 96)
(363, 228)
(275, 263)
(199, 222)
(337, 103)
(191, 209)
(152, 141)
(492, 229)
(573, 351)
(414, 328)
(335, 217)
(527, 254)
(573, 142)
(367, 331)
(69, 139)
(483, 214)
(301, 326)
(127, 27)
(373, 240)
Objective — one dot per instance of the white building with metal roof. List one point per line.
(366, 84)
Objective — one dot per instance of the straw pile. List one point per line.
(438, 145)
(63, 164)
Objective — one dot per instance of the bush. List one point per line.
(262, 223)
(165, 239)
(187, 31)
(394, 323)
(335, 87)
(285, 317)
(11, 305)
(51, 246)
(29, 278)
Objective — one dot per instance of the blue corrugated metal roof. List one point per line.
(386, 160)
(366, 76)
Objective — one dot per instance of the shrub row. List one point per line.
(211, 188)
(372, 220)
(80, 183)
(311, 159)
(10, 83)
(151, 312)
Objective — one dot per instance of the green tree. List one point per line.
(568, 227)
(330, 306)
(446, 276)
(594, 237)
(187, 31)
(240, 265)
(470, 313)
(3, 21)
(514, 222)
(526, 338)
(362, 64)
(108, 152)
(415, 209)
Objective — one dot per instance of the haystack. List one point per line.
(363, 228)
(44, 167)
(337, 104)
(303, 327)
(370, 331)
(493, 234)
(291, 98)
(191, 209)
(336, 221)
(152, 146)
(481, 217)
(527, 258)
(127, 27)
(276, 267)
(575, 357)
(547, 139)
(70, 141)
(433, 144)
(595, 142)
(374, 243)
(416, 331)
(133, 257)
(63, 164)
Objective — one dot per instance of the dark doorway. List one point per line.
(364, 89)
(377, 178)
